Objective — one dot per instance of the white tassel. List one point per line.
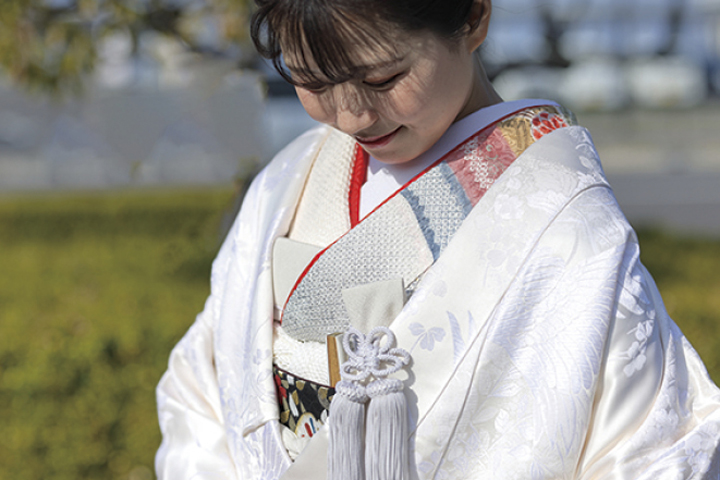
(380, 451)
(386, 443)
(347, 432)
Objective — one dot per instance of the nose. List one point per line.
(354, 112)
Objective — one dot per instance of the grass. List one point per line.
(97, 288)
(687, 272)
(94, 292)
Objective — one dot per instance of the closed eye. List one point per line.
(384, 82)
(314, 87)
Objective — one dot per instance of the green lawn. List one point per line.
(687, 272)
(96, 289)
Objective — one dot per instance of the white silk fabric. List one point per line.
(540, 345)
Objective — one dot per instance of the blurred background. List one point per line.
(129, 130)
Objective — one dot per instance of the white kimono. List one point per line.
(540, 346)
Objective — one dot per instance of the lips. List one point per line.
(377, 141)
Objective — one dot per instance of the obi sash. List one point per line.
(405, 235)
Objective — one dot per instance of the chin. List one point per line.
(392, 159)
(396, 157)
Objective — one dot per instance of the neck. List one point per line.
(482, 93)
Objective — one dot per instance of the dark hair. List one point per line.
(327, 27)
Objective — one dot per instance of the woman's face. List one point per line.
(399, 104)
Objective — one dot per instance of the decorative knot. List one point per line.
(372, 355)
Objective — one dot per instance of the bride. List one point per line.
(497, 320)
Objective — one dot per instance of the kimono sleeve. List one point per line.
(194, 440)
(657, 413)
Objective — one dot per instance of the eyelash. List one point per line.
(314, 88)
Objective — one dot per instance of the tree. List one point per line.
(51, 45)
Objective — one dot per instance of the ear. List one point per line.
(478, 24)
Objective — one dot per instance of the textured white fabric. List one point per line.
(324, 216)
(540, 346)
(306, 360)
(315, 309)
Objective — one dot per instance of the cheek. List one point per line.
(421, 108)
(313, 106)
(436, 90)
(406, 104)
